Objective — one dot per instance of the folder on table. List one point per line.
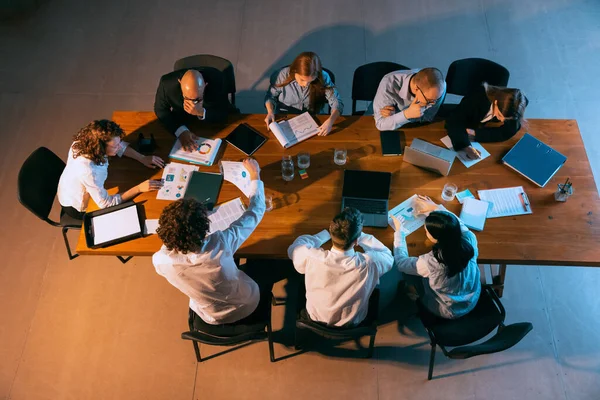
(204, 187)
(534, 159)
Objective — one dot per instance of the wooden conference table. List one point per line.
(565, 234)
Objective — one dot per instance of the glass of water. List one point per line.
(449, 192)
(287, 168)
(303, 160)
(339, 155)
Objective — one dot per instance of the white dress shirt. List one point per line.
(83, 178)
(447, 297)
(219, 292)
(394, 90)
(339, 283)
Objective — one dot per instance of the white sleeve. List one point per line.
(300, 250)
(180, 130)
(95, 187)
(376, 252)
(241, 229)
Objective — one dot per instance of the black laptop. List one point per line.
(368, 191)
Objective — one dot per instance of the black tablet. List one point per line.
(390, 143)
(246, 139)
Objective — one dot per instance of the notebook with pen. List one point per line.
(534, 159)
(506, 202)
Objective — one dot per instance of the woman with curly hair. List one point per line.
(87, 168)
(304, 86)
(201, 265)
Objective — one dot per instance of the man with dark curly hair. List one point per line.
(339, 282)
(87, 168)
(201, 265)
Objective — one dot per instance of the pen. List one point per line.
(525, 200)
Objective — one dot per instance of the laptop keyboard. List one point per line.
(366, 206)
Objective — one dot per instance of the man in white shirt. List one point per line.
(408, 96)
(340, 281)
(202, 266)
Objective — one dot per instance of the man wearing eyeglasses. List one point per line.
(186, 96)
(408, 96)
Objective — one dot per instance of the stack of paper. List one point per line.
(204, 153)
(474, 212)
(175, 180)
(462, 155)
(294, 130)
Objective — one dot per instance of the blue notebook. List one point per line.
(534, 159)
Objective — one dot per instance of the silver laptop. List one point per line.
(429, 156)
(368, 191)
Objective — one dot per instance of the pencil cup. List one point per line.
(563, 192)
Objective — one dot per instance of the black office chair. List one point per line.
(464, 76)
(234, 334)
(36, 189)
(37, 185)
(366, 328)
(459, 333)
(219, 63)
(282, 108)
(366, 81)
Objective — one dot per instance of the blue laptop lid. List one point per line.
(534, 159)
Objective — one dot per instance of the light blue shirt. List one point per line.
(447, 297)
(394, 90)
(294, 95)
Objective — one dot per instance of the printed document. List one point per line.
(462, 155)
(294, 130)
(236, 173)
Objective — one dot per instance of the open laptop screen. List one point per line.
(367, 184)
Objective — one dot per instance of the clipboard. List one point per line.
(136, 228)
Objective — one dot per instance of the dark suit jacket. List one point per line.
(168, 105)
(468, 114)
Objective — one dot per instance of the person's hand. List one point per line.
(472, 153)
(424, 205)
(153, 162)
(387, 111)
(270, 118)
(194, 109)
(397, 223)
(415, 110)
(325, 129)
(253, 168)
(150, 184)
(471, 132)
(188, 141)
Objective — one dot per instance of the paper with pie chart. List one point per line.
(175, 180)
(204, 153)
(236, 173)
(294, 130)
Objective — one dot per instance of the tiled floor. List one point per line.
(95, 329)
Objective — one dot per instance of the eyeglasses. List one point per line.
(427, 101)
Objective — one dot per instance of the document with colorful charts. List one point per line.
(225, 214)
(405, 211)
(175, 180)
(294, 130)
(236, 173)
(204, 153)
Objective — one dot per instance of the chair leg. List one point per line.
(371, 346)
(124, 260)
(270, 339)
(64, 233)
(431, 361)
(197, 351)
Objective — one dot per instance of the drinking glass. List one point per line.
(269, 202)
(449, 191)
(303, 160)
(287, 168)
(339, 156)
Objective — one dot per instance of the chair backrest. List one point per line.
(464, 76)
(38, 182)
(367, 77)
(487, 315)
(208, 60)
